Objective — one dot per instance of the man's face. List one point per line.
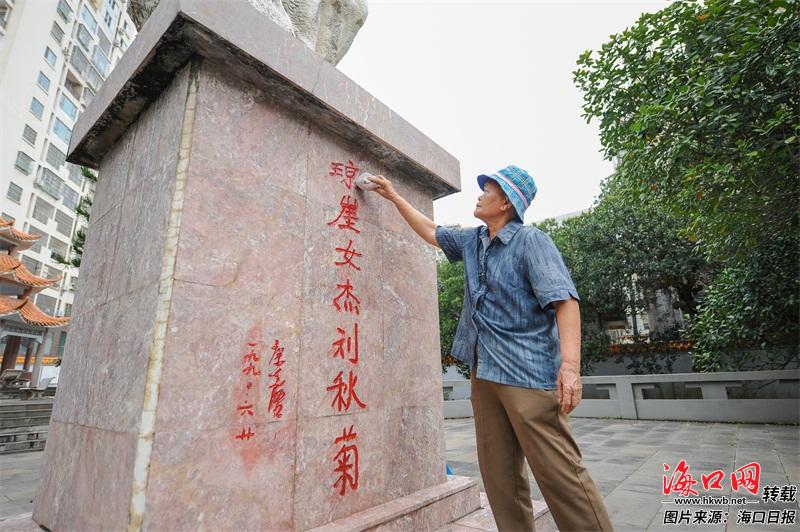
(493, 203)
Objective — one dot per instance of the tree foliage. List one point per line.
(619, 252)
(699, 105)
(450, 284)
(83, 210)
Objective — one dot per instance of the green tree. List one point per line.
(699, 105)
(450, 281)
(83, 210)
(618, 253)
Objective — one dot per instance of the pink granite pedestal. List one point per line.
(218, 139)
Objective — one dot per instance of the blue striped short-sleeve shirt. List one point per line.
(510, 283)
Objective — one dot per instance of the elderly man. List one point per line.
(519, 332)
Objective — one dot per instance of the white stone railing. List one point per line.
(635, 397)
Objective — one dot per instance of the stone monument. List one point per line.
(254, 343)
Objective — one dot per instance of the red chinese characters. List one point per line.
(348, 214)
(246, 406)
(346, 171)
(347, 256)
(345, 392)
(682, 483)
(747, 477)
(346, 299)
(345, 345)
(346, 462)
(713, 481)
(276, 392)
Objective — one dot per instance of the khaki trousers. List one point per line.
(514, 423)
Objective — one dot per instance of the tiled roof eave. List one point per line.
(30, 313)
(12, 233)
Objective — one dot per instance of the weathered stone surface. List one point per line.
(85, 479)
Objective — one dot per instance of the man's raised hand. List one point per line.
(385, 187)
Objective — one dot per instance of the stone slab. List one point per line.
(425, 509)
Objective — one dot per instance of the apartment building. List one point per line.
(54, 55)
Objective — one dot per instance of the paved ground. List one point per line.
(624, 458)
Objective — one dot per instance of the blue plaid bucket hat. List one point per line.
(516, 183)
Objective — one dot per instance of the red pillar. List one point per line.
(10, 353)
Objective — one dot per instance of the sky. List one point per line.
(491, 82)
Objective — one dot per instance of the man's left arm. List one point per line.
(553, 286)
(568, 384)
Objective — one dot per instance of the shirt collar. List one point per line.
(505, 234)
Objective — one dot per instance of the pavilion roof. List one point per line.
(15, 271)
(12, 234)
(29, 313)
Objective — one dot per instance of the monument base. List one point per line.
(479, 520)
(426, 509)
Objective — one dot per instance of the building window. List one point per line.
(55, 157)
(43, 82)
(62, 131)
(67, 311)
(24, 163)
(101, 62)
(37, 108)
(50, 183)
(63, 223)
(33, 265)
(84, 37)
(78, 60)
(46, 304)
(58, 248)
(42, 211)
(89, 20)
(104, 43)
(29, 134)
(64, 10)
(7, 217)
(37, 244)
(75, 174)
(69, 197)
(69, 108)
(57, 33)
(73, 86)
(14, 193)
(49, 56)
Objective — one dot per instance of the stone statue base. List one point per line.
(255, 341)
